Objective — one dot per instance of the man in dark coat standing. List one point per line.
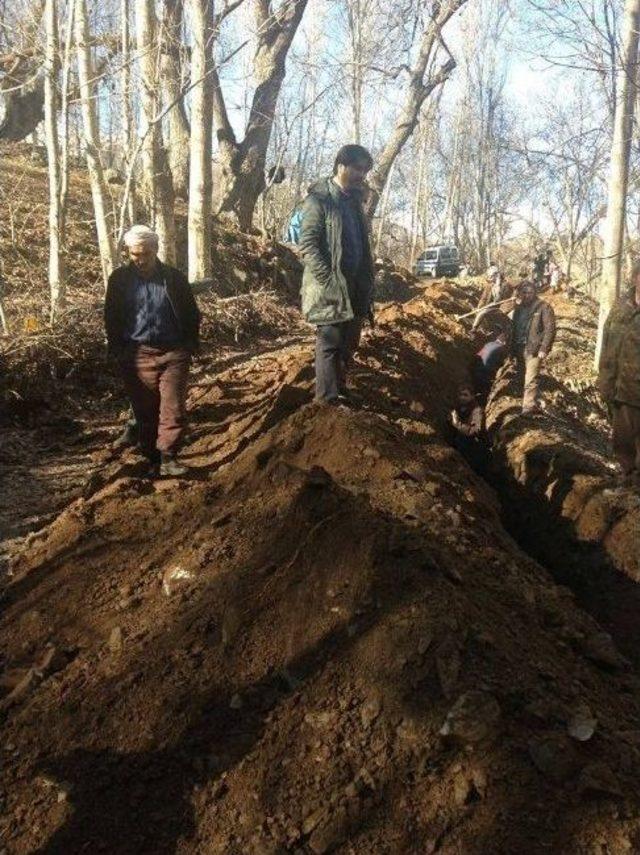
(337, 284)
(619, 378)
(152, 323)
(533, 332)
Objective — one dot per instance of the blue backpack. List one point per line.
(294, 228)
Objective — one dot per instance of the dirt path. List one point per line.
(323, 641)
(41, 471)
(44, 468)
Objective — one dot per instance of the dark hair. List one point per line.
(350, 155)
(466, 387)
(527, 283)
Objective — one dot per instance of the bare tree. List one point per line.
(99, 190)
(22, 81)
(423, 79)
(626, 95)
(158, 184)
(199, 221)
(173, 51)
(56, 235)
(241, 164)
(127, 119)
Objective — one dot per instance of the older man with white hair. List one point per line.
(152, 324)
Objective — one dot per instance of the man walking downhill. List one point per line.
(619, 379)
(532, 335)
(337, 284)
(152, 324)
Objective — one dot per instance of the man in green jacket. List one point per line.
(337, 284)
(619, 378)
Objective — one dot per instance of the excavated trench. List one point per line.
(324, 641)
(554, 476)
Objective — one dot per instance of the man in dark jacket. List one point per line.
(337, 284)
(619, 378)
(533, 332)
(486, 364)
(152, 324)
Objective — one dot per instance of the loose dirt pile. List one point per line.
(323, 641)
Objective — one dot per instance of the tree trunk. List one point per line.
(177, 122)
(199, 220)
(64, 114)
(128, 124)
(355, 16)
(99, 192)
(156, 175)
(56, 235)
(241, 166)
(383, 212)
(453, 184)
(619, 169)
(421, 85)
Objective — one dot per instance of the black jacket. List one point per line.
(180, 296)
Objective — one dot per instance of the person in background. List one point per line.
(486, 363)
(495, 289)
(619, 379)
(539, 267)
(152, 324)
(467, 421)
(492, 271)
(532, 335)
(338, 278)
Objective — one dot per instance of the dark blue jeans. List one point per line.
(335, 346)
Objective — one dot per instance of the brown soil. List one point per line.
(261, 658)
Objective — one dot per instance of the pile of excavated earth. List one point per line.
(332, 636)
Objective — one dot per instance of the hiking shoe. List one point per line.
(170, 468)
(127, 439)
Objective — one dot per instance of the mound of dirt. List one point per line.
(324, 640)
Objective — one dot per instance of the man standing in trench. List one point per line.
(152, 323)
(619, 378)
(337, 284)
(532, 335)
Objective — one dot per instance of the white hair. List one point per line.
(140, 235)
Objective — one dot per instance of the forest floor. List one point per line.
(326, 638)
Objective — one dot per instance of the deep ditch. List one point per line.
(553, 474)
(324, 641)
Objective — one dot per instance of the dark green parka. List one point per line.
(619, 372)
(325, 294)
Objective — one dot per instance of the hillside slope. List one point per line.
(325, 640)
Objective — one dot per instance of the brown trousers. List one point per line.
(156, 383)
(626, 437)
(529, 378)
